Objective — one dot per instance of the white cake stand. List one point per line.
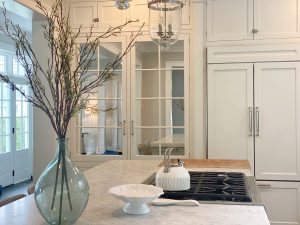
(136, 197)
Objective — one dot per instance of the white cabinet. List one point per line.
(101, 14)
(229, 20)
(282, 201)
(271, 120)
(252, 19)
(276, 19)
(277, 106)
(159, 99)
(104, 14)
(83, 14)
(109, 15)
(142, 110)
(230, 102)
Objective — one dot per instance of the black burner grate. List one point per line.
(214, 186)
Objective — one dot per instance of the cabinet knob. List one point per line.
(95, 20)
(255, 31)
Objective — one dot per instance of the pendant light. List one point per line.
(165, 21)
(122, 4)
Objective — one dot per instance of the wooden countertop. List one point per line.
(216, 163)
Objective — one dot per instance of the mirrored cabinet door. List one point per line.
(101, 126)
(159, 93)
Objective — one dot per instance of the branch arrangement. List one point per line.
(62, 88)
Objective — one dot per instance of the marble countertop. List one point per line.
(103, 208)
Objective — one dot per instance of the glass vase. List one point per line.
(62, 191)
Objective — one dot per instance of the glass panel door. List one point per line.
(15, 122)
(22, 154)
(159, 107)
(101, 123)
(6, 153)
(22, 120)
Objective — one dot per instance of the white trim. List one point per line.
(168, 90)
(259, 53)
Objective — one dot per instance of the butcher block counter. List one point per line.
(103, 208)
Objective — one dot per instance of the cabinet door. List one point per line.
(101, 126)
(281, 200)
(109, 15)
(229, 20)
(230, 112)
(277, 121)
(139, 10)
(159, 99)
(83, 14)
(276, 18)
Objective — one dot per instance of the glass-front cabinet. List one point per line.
(143, 109)
(100, 127)
(159, 99)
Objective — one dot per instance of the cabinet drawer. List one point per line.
(281, 201)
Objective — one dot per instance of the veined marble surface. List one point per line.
(103, 208)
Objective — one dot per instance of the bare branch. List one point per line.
(61, 89)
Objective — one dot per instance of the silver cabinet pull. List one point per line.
(132, 127)
(255, 31)
(250, 120)
(95, 20)
(257, 121)
(124, 127)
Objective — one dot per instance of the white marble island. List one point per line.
(103, 208)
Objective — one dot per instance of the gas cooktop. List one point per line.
(215, 186)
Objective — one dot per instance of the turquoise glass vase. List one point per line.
(62, 191)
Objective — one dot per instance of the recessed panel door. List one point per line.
(276, 18)
(277, 121)
(230, 112)
(229, 20)
(281, 201)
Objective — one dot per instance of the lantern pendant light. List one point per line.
(165, 21)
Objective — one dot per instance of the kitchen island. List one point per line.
(103, 208)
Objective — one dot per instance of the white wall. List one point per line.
(31, 4)
(43, 134)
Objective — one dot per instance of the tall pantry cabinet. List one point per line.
(254, 114)
(254, 95)
(256, 106)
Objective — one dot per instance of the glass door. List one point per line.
(22, 133)
(102, 124)
(159, 99)
(15, 122)
(6, 137)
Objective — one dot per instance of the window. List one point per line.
(4, 118)
(2, 63)
(22, 120)
(18, 69)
